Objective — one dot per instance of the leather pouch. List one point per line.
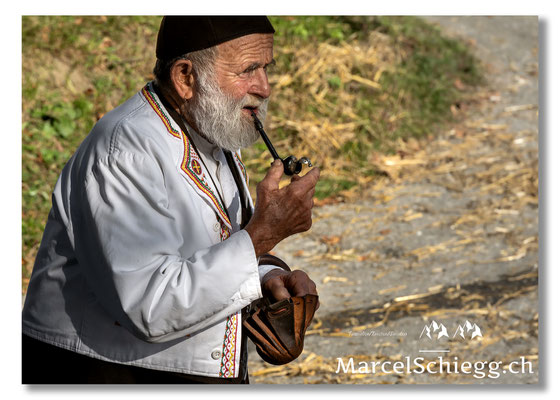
(278, 329)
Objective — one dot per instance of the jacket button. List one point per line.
(216, 227)
(216, 354)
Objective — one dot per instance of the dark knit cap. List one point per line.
(181, 34)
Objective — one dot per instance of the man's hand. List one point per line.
(280, 213)
(279, 284)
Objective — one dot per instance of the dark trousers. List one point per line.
(43, 363)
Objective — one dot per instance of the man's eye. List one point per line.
(247, 73)
(250, 71)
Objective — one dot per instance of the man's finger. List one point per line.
(277, 289)
(309, 180)
(314, 173)
(298, 283)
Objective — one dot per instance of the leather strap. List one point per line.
(269, 259)
(246, 211)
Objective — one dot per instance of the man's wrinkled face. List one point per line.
(224, 99)
(241, 67)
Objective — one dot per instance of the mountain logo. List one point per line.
(432, 329)
(466, 328)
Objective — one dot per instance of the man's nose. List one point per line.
(259, 85)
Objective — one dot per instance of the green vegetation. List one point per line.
(343, 87)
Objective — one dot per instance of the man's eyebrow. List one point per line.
(255, 66)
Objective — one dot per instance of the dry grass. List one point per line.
(310, 83)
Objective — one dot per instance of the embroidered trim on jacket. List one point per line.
(229, 347)
(242, 167)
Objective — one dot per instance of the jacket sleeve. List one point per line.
(128, 244)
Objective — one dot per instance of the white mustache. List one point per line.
(252, 102)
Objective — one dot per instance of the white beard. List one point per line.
(219, 117)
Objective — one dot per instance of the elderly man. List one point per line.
(152, 248)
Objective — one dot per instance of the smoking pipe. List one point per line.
(291, 164)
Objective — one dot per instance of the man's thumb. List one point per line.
(274, 174)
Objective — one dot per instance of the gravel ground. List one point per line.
(450, 236)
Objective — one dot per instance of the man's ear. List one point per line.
(182, 78)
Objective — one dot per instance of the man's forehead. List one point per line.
(254, 45)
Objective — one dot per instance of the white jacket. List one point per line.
(134, 266)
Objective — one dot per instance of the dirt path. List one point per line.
(450, 236)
